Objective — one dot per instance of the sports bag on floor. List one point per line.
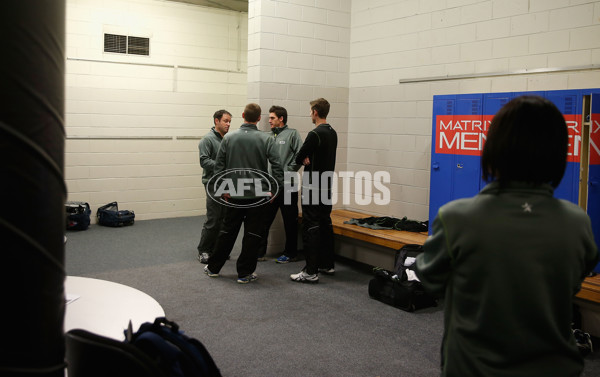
(174, 352)
(400, 288)
(109, 215)
(77, 215)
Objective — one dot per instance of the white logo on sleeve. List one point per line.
(526, 207)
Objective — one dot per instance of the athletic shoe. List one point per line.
(261, 259)
(303, 277)
(207, 271)
(285, 259)
(247, 279)
(327, 271)
(203, 258)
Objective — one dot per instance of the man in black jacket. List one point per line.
(317, 154)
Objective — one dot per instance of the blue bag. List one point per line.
(109, 215)
(175, 353)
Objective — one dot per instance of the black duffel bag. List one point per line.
(109, 215)
(399, 288)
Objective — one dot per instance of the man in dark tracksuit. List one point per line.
(287, 143)
(317, 154)
(241, 173)
(208, 148)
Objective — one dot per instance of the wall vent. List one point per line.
(123, 44)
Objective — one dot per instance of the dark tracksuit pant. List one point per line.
(253, 220)
(212, 225)
(289, 213)
(317, 237)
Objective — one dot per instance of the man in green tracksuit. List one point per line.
(287, 143)
(208, 148)
(243, 184)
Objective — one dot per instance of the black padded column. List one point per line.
(32, 188)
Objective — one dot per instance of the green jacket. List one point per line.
(246, 153)
(508, 262)
(287, 144)
(208, 148)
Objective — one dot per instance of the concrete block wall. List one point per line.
(133, 123)
(404, 52)
(298, 51)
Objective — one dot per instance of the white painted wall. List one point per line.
(133, 123)
(393, 40)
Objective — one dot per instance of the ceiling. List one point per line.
(235, 5)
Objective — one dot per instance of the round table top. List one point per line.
(105, 308)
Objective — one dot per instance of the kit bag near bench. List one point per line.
(400, 288)
(77, 215)
(109, 215)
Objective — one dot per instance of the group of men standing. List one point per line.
(249, 175)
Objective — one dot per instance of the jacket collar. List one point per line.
(216, 133)
(278, 130)
(494, 188)
(249, 125)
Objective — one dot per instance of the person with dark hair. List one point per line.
(287, 142)
(208, 148)
(241, 168)
(317, 154)
(510, 260)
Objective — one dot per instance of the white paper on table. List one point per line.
(70, 298)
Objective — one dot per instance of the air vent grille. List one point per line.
(122, 44)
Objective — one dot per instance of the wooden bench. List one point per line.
(590, 289)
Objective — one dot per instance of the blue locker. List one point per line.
(570, 103)
(441, 164)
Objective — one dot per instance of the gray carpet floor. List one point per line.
(271, 327)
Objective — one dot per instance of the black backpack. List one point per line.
(174, 352)
(396, 288)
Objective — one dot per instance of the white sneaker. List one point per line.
(303, 277)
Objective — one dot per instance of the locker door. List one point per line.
(593, 200)
(569, 102)
(441, 163)
(492, 103)
(467, 163)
